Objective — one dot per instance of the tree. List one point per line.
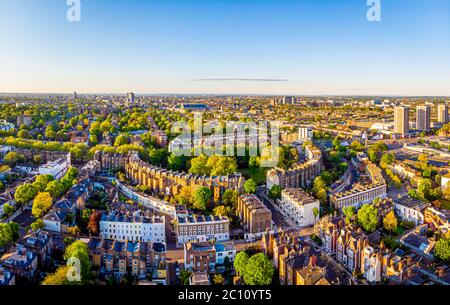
(316, 212)
(326, 177)
(73, 230)
(220, 211)
(121, 139)
(38, 225)
(55, 188)
(275, 192)
(218, 279)
(25, 193)
(41, 204)
(79, 250)
(250, 186)
(8, 209)
(240, 262)
(390, 221)
(199, 166)
(253, 162)
(230, 198)
(177, 163)
(41, 182)
(105, 126)
(59, 277)
(442, 249)
(9, 233)
(259, 270)
(221, 165)
(387, 159)
(12, 158)
(201, 198)
(94, 223)
(184, 277)
(368, 217)
(349, 211)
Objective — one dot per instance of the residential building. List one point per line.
(311, 274)
(24, 119)
(423, 118)
(410, 209)
(225, 251)
(22, 262)
(161, 180)
(362, 192)
(130, 98)
(6, 126)
(299, 175)
(349, 248)
(115, 258)
(445, 182)
(299, 206)
(39, 243)
(401, 120)
(7, 278)
(305, 134)
(437, 219)
(139, 228)
(443, 113)
(256, 218)
(199, 256)
(417, 241)
(199, 279)
(201, 228)
(56, 168)
(328, 229)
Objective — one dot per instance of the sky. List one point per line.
(275, 47)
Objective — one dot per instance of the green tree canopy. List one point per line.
(240, 262)
(259, 270)
(250, 186)
(368, 217)
(201, 198)
(25, 193)
(442, 249)
(41, 204)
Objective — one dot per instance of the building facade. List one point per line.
(300, 175)
(192, 228)
(256, 218)
(423, 118)
(299, 206)
(401, 120)
(135, 228)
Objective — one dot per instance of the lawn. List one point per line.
(445, 204)
(257, 174)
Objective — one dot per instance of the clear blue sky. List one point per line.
(226, 46)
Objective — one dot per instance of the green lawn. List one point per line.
(257, 174)
(445, 204)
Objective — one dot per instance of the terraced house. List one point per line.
(163, 181)
(299, 175)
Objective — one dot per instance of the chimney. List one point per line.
(409, 261)
(440, 272)
(409, 273)
(313, 261)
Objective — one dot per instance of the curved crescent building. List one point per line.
(165, 181)
(300, 175)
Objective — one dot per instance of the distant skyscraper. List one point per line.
(423, 118)
(75, 95)
(401, 120)
(305, 133)
(443, 113)
(130, 98)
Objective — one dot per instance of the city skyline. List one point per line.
(239, 47)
